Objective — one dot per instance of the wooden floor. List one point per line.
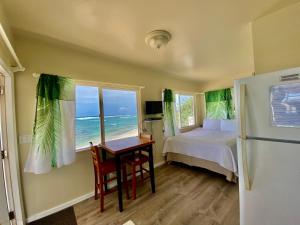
(185, 196)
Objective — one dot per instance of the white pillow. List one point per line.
(210, 124)
(229, 125)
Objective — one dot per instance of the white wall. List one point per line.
(276, 40)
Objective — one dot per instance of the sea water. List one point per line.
(88, 128)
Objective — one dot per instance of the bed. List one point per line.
(212, 147)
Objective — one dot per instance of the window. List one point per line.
(120, 114)
(118, 107)
(185, 110)
(87, 116)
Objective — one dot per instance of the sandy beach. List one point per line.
(131, 133)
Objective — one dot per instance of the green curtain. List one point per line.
(219, 104)
(169, 113)
(53, 142)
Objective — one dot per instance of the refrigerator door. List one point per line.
(258, 113)
(274, 172)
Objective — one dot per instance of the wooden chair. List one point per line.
(137, 160)
(101, 169)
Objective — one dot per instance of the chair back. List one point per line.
(96, 159)
(146, 136)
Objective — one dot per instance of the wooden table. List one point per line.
(124, 146)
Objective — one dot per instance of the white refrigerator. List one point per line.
(268, 110)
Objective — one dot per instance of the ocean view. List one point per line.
(88, 128)
(120, 115)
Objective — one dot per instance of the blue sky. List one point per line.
(116, 102)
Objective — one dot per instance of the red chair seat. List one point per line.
(108, 166)
(136, 159)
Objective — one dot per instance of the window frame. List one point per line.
(112, 86)
(194, 109)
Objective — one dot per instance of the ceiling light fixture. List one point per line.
(158, 38)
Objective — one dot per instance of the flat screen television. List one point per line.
(153, 107)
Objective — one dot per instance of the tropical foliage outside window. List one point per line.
(185, 110)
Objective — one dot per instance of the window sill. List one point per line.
(82, 149)
(188, 128)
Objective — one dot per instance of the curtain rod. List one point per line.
(19, 66)
(218, 89)
(37, 75)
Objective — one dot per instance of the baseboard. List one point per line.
(159, 164)
(68, 204)
(59, 207)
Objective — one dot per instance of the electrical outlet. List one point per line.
(25, 139)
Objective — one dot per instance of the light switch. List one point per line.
(25, 139)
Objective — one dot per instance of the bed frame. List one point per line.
(192, 161)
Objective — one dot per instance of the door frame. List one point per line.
(12, 144)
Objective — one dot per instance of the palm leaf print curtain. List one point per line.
(53, 141)
(219, 104)
(169, 123)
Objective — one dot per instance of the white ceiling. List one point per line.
(211, 39)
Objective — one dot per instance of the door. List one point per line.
(4, 219)
(4, 206)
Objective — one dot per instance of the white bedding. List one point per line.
(212, 145)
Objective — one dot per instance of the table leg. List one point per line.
(119, 182)
(151, 168)
(103, 152)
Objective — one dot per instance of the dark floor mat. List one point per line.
(64, 217)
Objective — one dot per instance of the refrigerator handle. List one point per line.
(242, 122)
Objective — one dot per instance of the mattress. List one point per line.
(216, 146)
